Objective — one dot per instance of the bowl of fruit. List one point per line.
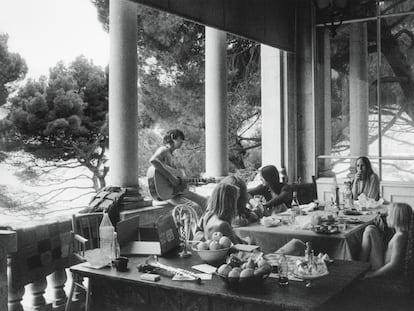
(213, 251)
(238, 272)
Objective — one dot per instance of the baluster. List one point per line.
(15, 294)
(37, 290)
(57, 281)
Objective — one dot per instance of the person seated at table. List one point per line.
(277, 195)
(387, 260)
(244, 215)
(365, 180)
(221, 210)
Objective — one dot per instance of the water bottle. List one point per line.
(283, 270)
(106, 238)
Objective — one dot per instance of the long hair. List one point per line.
(172, 135)
(271, 175)
(368, 166)
(399, 216)
(222, 202)
(237, 181)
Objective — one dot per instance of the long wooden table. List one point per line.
(126, 291)
(344, 245)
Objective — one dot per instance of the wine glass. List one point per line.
(186, 220)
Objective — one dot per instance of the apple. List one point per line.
(247, 273)
(202, 246)
(214, 245)
(224, 269)
(235, 273)
(216, 236)
(225, 242)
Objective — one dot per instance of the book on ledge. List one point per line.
(155, 240)
(141, 248)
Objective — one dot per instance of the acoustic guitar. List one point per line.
(160, 187)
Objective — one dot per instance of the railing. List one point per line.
(36, 259)
(37, 264)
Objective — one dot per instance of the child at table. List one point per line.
(244, 215)
(387, 260)
(221, 210)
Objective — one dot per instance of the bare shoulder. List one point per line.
(398, 240)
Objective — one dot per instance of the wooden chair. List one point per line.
(306, 192)
(85, 234)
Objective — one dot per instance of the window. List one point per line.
(365, 76)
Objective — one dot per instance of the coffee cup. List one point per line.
(121, 264)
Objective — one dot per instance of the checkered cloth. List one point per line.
(41, 250)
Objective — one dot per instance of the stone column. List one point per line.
(216, 103)
(305, 93)
(8, 244)
(327, 100)
(358, 89)
(123, 101)
(272, 106)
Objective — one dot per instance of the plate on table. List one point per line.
(270, 221)
(326, 229)
(352, 212)
(353, 221)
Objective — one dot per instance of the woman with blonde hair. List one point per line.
(388, 260)
(221, 209)
(244, 215)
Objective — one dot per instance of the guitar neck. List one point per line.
(194, 180)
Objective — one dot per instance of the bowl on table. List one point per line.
(244, 282)
(242, 272)
(210, 256)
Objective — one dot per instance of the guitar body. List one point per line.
(160, 187)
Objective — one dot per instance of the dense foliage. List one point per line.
(63, 117)
(171, 72)
(12, 68)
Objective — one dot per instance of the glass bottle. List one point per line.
(308, 251)
(283, 270)
(117, 248)
(294, 207)
(106, 238)
(348, 201)
(335, 192)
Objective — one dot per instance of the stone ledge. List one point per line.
(148, 215)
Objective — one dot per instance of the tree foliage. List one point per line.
(396, 71)
(12, 68)
(171, 77)
(63, 117)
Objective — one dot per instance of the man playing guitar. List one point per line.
(163, 162)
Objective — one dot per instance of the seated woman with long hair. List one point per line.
(278, 195)
(365, 180)
(244, 215)
(388, 260)
(221, 210)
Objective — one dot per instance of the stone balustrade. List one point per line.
(34, 262)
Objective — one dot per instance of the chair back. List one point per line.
(306, 192)
(409, 257)
(85, 231)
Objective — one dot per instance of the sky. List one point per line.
(45, 32)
